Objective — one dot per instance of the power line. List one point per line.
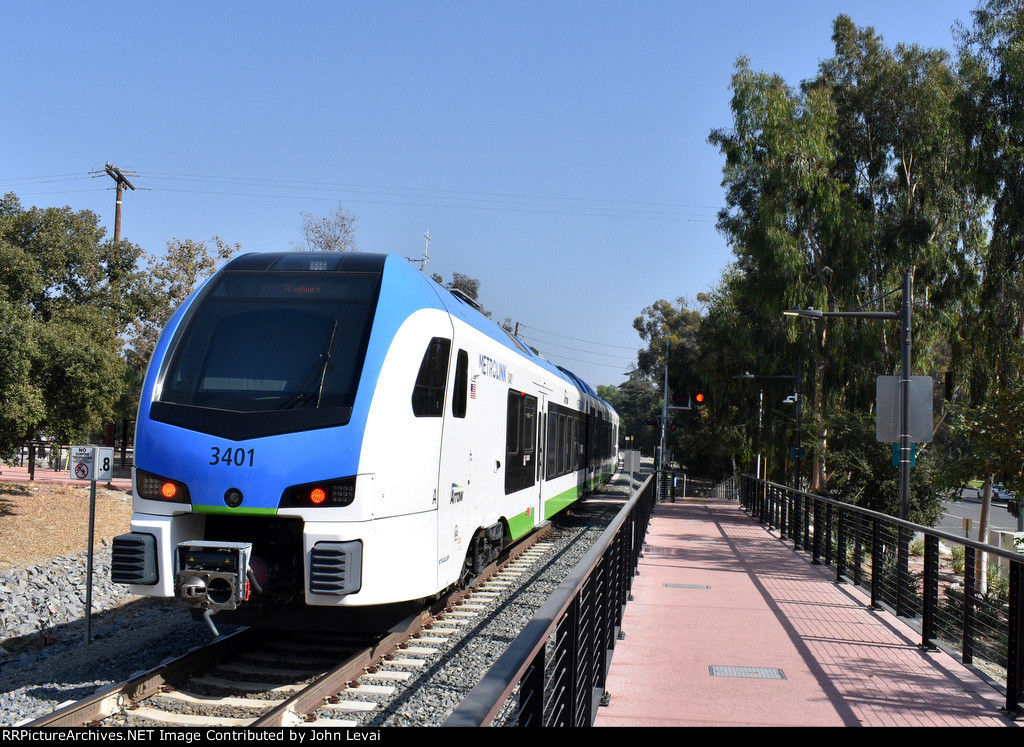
(296, 184)
(413, 196)
(579, 350)
(558, 358)
(556, 210)
(47, 179)
(577, 339)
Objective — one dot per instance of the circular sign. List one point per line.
(81, 471)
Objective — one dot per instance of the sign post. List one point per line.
(91, 463)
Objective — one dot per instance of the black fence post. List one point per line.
(1015, 642)
(903, 572)
(876, 563)
(970, 589)
(816, 538)
(930, 600)
(841, 543)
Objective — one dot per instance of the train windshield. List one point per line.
(274, 342)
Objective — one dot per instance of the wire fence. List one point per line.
(963, 596)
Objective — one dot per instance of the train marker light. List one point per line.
(155, 488)
(327, 494)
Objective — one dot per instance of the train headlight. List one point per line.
(326, 494)
(156, 488)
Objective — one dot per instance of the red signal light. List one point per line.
(699, 398)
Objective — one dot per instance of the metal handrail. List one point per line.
(583, 616)
(988, 632)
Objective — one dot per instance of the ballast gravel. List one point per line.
(45, 660)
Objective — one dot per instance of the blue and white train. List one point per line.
(337, 430)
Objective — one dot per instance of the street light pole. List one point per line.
(799, 404)
(799, 396)
(905, 401)
(903, 317)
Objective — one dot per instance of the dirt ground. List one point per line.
(40, 521)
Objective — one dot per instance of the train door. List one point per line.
(407, 435)
(542, 455)
(458, 497)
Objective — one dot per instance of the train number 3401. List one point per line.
(236, 457)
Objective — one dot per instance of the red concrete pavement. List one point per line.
(49, 476)
(717, 590)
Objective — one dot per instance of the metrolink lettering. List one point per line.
(492, 369)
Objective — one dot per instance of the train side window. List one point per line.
(529, 424)
(428, 393)
(552, 451)
(520, 441)
(460, 395)
(514, 423)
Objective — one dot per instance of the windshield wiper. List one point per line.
(318, 369)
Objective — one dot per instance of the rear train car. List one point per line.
(336, 430)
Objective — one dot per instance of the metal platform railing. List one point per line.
(554, 673)
(964, 597)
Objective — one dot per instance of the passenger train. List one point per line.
(336, 430)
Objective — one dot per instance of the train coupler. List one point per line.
(213, 576)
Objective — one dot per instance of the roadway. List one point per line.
(969, 507)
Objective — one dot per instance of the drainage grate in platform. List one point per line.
(687, 586)
(756, 673)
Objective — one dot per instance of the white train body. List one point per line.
(434, 439)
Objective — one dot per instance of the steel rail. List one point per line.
(109, 700)
(298, 708)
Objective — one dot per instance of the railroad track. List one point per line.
(261, 678)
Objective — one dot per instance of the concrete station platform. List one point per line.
(729, 627)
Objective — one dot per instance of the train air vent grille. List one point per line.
(133, 559)
(335, 568)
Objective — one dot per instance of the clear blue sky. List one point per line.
(556, 151)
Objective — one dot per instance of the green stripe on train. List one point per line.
(524, 522)
(236, 511)
(520, 525)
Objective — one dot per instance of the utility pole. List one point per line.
(664, 414)
(122, 181)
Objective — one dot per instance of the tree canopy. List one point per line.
(891, 159)
(65, 296)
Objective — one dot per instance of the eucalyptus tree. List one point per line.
(673, 357)
(991, 64)
(746, 361)
(638, 403)
(835, 189)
